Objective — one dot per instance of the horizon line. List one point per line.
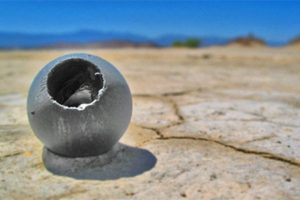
(250, 33)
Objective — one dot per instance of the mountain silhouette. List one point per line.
(86, 38)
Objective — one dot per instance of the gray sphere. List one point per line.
(79, 105)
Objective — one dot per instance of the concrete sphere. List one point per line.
(79, 105)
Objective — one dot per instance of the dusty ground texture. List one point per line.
(220, 123)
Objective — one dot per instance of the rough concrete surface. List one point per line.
(215, 123)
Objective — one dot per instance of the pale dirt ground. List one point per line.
(222, 123)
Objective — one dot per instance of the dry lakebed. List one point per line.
(214, 123)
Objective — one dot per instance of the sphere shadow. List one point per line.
(121, 161)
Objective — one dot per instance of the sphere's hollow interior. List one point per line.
(74, 82)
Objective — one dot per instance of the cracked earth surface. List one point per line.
(223, 126)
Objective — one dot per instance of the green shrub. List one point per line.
(189, 43)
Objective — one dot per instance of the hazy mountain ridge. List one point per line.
(11, 40)
(23, 40)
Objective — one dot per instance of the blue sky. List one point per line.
(270, 20)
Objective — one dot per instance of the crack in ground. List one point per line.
(181, 120)
(169, 94)
(10, 155)
(282, 124)
(266, 119)
(173, 104)
(176, 110)
(180, 93)
(260, 139)
(266, 155)
(70, 193)
(155, 130)
(246, 151)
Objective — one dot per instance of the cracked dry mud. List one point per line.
(223, 126)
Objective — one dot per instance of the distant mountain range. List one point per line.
(10, 40)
